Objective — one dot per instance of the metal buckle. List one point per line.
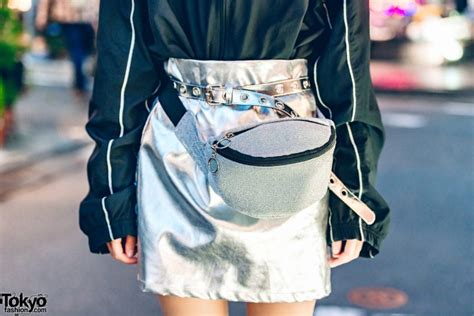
(209, 95)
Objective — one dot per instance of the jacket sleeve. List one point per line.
(125, 81)
(344, 93)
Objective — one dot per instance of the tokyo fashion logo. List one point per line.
(13, 303)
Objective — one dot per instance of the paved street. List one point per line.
(425, 173)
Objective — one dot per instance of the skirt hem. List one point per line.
(261, 297)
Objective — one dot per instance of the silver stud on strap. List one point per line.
(183, 89)
(244, 97)
(279, 88)
(196, 91)
(306, 84)
(295, 84)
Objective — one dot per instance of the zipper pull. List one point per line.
(212, 163)
(222, 143)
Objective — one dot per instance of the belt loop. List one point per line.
(228, 94)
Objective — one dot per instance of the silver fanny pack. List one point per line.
(266, 169)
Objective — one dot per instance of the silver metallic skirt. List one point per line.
(191, 244)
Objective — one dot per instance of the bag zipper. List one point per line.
(221, 147)
(233, 133)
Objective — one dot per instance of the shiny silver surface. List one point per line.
(192, 244)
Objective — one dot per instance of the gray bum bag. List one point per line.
(266, 169)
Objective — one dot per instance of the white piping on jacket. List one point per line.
(122, 101)
(109, 166)
(146, 105)
(349, 130)
(354, 108)
(330, 226)
(327, 14)
(127, 70)
(349, 65)
(315, 75)
(106, 215)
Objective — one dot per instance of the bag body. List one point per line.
(268, 169)
(275, 168)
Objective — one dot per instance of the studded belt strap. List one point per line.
(264, 95)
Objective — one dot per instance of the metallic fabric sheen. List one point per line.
(191, 244)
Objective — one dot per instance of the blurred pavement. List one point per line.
(49, 120)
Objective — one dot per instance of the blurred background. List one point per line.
(423, 70)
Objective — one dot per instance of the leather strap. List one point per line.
(350, 199)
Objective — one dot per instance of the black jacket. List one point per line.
(136, 36)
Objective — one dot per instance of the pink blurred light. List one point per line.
(409, 10)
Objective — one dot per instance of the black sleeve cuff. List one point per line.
(99, 237)
(372, 241)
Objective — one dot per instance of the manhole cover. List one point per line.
(378, 298)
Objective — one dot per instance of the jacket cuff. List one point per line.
(355, 230)
(99, 237)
